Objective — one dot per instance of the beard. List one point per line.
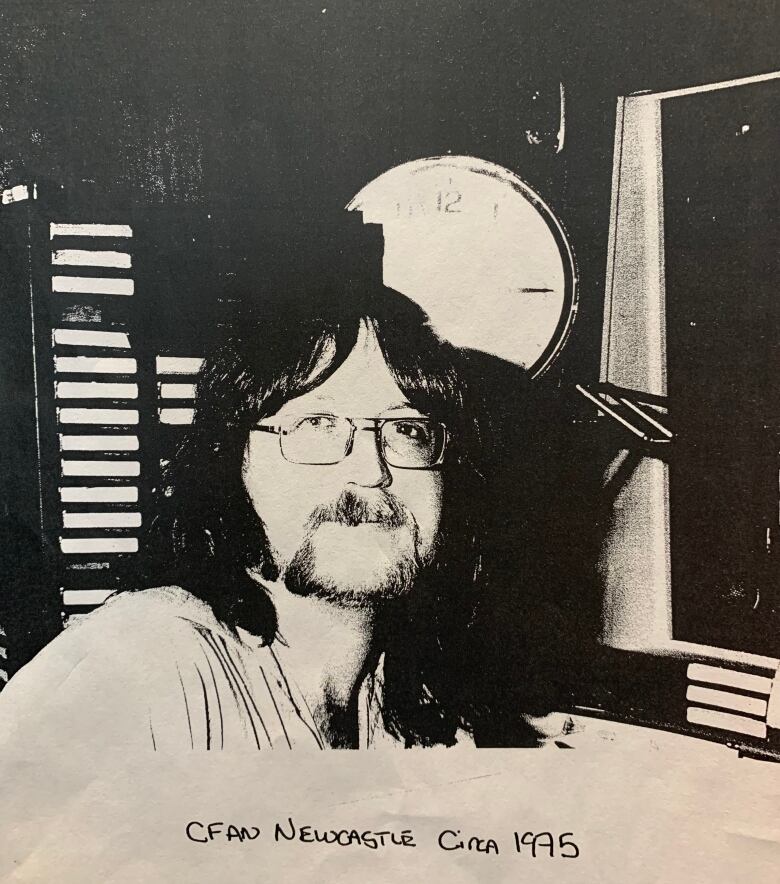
(358, 552)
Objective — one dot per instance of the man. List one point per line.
(318, 537)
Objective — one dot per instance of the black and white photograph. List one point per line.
(389, 377)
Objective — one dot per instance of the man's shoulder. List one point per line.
(133, 634)
(135, 627)
(146, 612)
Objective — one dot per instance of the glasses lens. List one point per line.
(316, 439)
(413, 443)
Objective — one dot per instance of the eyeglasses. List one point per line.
(409, 443)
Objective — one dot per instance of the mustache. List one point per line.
(352, 509)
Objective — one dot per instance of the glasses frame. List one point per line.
(377, 427)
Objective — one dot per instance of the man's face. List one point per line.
(359, 529)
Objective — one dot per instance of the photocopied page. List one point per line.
(390, 438)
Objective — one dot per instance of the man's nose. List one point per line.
(365, 465)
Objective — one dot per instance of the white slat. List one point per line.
(101, 520)
(101, 468)
(177, 391)
(58, 229)
(89, 258)
(99, 494)
(181, 416)
(103, 416)
(178, 365)
(95, 390)
(77, 337)
(77, 598)
(94, 365)
(98, 443)
(92, 285)
(82, 545)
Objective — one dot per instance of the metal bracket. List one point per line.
(643, 415)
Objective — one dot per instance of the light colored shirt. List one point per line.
(156, 669)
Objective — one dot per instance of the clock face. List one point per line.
(480, 252)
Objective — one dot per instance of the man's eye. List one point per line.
(316, 422)
(415, 430)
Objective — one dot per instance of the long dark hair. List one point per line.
(206, 532)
